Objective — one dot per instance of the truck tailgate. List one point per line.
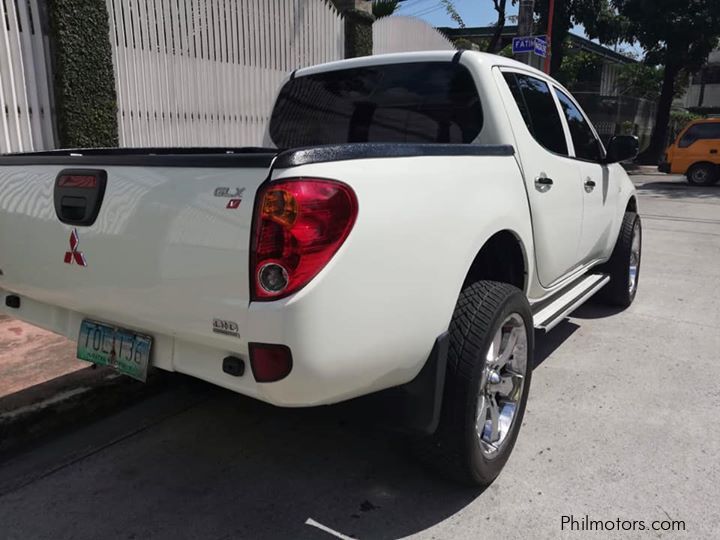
(166, 237)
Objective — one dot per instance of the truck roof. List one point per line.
(480, 58)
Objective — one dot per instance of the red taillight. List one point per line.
(270, 362)
(299, 225)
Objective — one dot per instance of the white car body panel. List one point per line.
(370, 318)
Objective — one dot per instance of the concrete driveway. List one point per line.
(623, 422)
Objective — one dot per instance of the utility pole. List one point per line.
(551, 14)
(525, 26)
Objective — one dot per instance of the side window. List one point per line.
(538, 109)
(699, 131)
(587, 145)
(689, 137)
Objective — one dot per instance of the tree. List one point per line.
(597, 16)
(384, 8)
(499, 6)
(677, 34)
(639, 80)
(577, 67)
(452, 11)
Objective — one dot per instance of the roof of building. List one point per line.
(511, 31)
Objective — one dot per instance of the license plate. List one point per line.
(124, 350)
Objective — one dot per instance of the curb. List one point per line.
(69, 401)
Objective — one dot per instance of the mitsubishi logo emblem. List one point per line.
(74, 254)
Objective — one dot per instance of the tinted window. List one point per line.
(539, 111)
(587, 146)
(700, 131)
(429, 102)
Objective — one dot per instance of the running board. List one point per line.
(553, 313)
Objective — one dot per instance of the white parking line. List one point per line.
(328, 530)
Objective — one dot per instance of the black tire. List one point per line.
(618, 292)
(702, 174)
(455, 448)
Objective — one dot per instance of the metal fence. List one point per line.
(25, 112)
(205, 72)
(613, 115)
(406, 34)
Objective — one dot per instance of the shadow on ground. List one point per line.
(230, 467)
(679, 190)
(547, 343)
(223, 466)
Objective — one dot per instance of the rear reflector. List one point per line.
(77, 181)
(269, 362)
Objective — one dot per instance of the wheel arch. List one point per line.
(631, 205)
(701, 162)
(502, 257)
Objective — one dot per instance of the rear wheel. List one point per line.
(486, 388)
(702, 174)
(624, 264)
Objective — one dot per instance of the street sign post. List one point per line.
(534, 44)
(540, 46)
(523, 44)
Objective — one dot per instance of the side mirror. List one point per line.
(622, 148)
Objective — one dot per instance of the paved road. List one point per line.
(622, 423)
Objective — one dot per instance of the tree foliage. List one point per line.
(579, 66)
(677, 34)
(599, 18)
(640, 80)
(384, 8)
(453, 12)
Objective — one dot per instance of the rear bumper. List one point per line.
(664, 167)
(320, 375)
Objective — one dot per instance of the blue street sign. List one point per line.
(523, 44)
(541, 46)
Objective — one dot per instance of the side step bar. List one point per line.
(553, 313)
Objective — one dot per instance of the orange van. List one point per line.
(695, 153)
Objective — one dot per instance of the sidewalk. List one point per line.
(30, 356)
(632, 169)
(44, 388)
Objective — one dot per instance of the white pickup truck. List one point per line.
(411, 221)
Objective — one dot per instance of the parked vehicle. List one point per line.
(694, 153)
(410, 223)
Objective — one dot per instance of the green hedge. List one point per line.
(85, 99)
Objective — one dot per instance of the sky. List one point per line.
(473, 13)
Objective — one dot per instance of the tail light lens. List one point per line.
(299, 225)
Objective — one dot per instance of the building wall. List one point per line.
(708, 97)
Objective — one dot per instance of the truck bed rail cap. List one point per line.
(342, 152)
(147, 157)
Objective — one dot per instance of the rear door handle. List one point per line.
(543, 183)
(589, 185)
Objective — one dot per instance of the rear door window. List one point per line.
(427, 102)
(587, 145)
(539, 111)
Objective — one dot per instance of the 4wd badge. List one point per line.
(229, 328)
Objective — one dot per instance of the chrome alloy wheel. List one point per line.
(634, 265)
(501, 384)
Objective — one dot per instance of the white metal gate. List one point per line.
(406, 34)
(205, 72)
(25, 115)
